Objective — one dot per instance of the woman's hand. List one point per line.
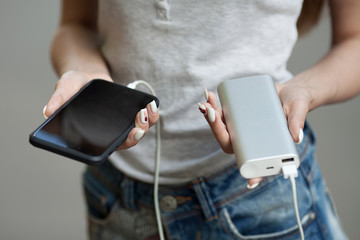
(295, 100)
(68, 84)
(72, 81)
(146, 118)
(215, 117)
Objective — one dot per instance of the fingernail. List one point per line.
(206, 94)
(143, 116)
(202, 108)
(301, 136)
(253, 186)
(153, 107)
(211, 114)
(139, 134)
(44, 110)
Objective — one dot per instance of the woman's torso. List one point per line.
(181, 47)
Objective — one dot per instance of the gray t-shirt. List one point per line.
(181, 47)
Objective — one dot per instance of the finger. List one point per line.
(218, 127)
(253, 183)
(133, 138)
(211, 98)
(153, 113)
(301, 136)
(55, 101)
(65, 88)
(296, 115)
(139, 131)
(43, 112)
(206, 95)
(142, 120)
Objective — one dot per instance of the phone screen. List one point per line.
(99, 116)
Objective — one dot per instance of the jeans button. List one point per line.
(168, 203)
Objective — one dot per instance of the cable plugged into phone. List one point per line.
(290, 171)
(133, 85)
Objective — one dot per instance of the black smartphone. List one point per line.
(93, 123)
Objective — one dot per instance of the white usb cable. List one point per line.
(290, 171)
(157, 160)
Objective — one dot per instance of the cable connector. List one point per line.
(289, 170)
(132, 85)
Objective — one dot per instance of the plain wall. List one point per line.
(40, 193)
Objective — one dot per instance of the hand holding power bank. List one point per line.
(257, 126)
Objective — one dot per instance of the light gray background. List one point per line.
(40, 193)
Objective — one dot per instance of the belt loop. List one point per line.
(128, 193)
(203, 195)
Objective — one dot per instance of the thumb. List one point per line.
(65, 88)
(296, 116)
(60, 96)
(253, 182)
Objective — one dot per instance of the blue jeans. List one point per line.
(213, 207)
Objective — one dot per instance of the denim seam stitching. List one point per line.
(303, 155)
(171, 218)
(205, 202)
(265, 183)
(308, 219)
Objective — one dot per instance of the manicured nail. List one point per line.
(301, 136)
(206, 94)
(153, 107)
(139, 134)
(202, 108)
(143, 116)
(44, 110)
(253, 186)
(211, 114)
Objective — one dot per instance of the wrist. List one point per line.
(319, 93)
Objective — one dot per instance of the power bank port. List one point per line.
(287, 160)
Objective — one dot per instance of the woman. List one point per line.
(180, 48)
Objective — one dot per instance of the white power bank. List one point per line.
(257, 126)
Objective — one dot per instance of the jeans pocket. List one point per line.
(288, 233)
(267, 212)
(99, 199)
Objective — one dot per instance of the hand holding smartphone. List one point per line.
(93, 123)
